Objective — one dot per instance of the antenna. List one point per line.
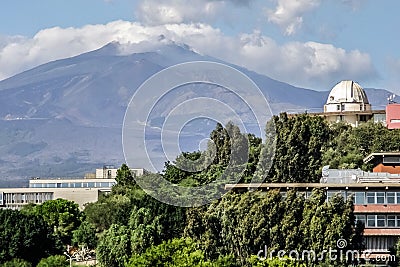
(391, 98)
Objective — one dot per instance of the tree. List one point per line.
(62, 215)
(85, 235)
(16, 263)
(183, 252)
(109, 209)
(114, 247)
(124, 176)
(24, 236)
(54, 261)
(296, 149)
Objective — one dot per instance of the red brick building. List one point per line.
(384, 162)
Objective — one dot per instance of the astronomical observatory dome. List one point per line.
(347, 92)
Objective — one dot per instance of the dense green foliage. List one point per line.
(242, 224)
(124, 176)
(61, 215)
(16, 263)
(54, 261)
(85, 236)
(183, 252)
(24, 236)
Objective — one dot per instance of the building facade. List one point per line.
(376, 202)
(382, 162)
(393, 116)
(80, 190)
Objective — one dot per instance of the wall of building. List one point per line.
(340, 107)
(389, 169)
(15, 198)
(106, 173)
(352, 119)
(393, 116)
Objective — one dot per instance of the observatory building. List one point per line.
(349, 103)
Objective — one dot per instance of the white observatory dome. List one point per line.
(347, 92)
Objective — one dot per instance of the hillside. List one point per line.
(64, 118)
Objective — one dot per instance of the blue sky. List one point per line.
(309, 43)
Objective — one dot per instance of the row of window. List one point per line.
(389, 221)
(73, 185)
(342, 107)
(361, 198)
(377, 198)
(26, 197)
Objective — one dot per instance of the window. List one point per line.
(371, 197)
(342, 107)
(91, 184)
(391, 197)
(380, 197)
(381, 220)
(359, 198)
(371, 221)
(376, 198)
(338, 107)
(391, 221)
(360, 218)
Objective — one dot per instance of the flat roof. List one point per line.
(360, 112)
(69, 180)
(267, 186)
(379, 154)
(50, 190)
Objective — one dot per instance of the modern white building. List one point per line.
(80, 190)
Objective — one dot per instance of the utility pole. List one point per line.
(69, 256)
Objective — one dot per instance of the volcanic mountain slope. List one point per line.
(64, 118)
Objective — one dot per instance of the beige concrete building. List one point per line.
(110, 172)
(80, 190)
(16, 198)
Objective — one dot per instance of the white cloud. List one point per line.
(304, 64)
(157, 12)
(288, 14)
(392, 66)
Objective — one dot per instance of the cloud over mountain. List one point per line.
(288, 14)
(308, 64)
